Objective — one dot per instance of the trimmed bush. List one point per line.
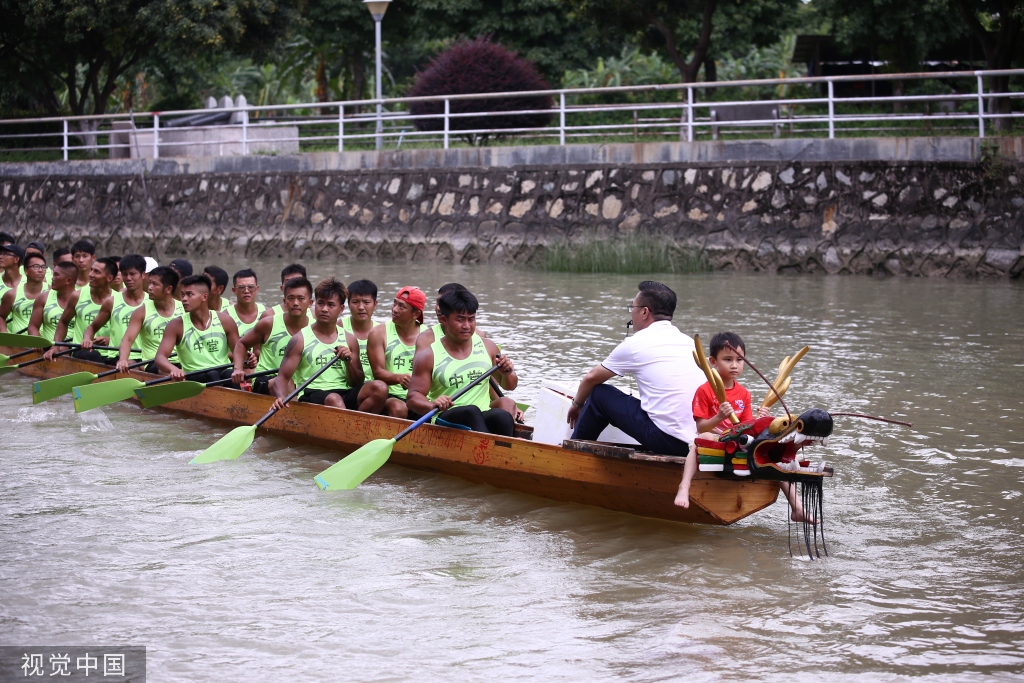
(480, 66)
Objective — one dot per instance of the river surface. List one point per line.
(244, 571)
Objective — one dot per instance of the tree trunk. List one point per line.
(688, 71)
(358, 80)
(710, 74)
(999, 50)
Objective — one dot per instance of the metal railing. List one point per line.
(684, 111)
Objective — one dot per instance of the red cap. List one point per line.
(413, 296)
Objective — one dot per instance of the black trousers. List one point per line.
(494, 421)
(94, 356)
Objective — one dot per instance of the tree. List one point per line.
(480, 66)
(999, 27)
(73, 55)
(690, 31)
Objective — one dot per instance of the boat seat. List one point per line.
(615, 450)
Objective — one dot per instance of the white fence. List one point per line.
(687, 112)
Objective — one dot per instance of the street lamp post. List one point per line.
(377, 9)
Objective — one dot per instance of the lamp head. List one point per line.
(377, 8)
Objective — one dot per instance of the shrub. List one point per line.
(480, 66)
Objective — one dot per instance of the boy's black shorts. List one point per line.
(318, 396)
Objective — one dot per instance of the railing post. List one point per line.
(341, 127)
(65, 121)
(561, 119)
(156, 136)
(689, 114)
(447, 111)
(981, 107)
(245, 132)
(831, 111)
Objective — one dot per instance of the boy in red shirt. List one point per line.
(707, 413)
(712, 419)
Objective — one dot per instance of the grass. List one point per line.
(631, 255)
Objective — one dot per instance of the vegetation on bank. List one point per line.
(630, 255)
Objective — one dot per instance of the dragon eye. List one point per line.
(746, 440)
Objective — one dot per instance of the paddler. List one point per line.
(35, 247)
(431, 334)
(287, 273)
(183, 267)
(148, 322)
(83, 254)
(47, 311)
(341, 386)
(219, 277)
(203, 339)
(245, 311)
(16, 304)
(272, 334)
(10, 262)
(362, 302)
(391, 348)
(455, 359)
(63, 255)
(117, 315)
(83, 307)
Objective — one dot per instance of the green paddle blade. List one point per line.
(8, 369)
(159, 394)
(24, 341)
(46, 389)
(229, 447)
(523, 406)
(104, 393)
(4, 360)
(352, 471)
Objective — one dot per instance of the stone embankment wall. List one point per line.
(912, 216)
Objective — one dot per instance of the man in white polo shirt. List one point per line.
(661, 359)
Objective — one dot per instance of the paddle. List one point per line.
(4, 359)
(14, 368)
(150, 397)
(235, 442)
(24, 341)
(354, 469)
(98, 395)
(46, 389)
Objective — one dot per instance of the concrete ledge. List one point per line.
(704, 153)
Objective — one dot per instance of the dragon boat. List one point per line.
(609, 476)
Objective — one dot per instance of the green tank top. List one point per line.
(451, 374)
(3, 288)
(397, 358)
(277, 310)
(364, 359)
(51, 316)
(245, 327)
(21, 311)
(202, 349)
(86, 311)
(152, 332)
(315, 354)
(272, 350)
(120, 316)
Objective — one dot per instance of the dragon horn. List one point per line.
(796, 359)
(770, 399)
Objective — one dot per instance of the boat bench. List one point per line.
(615, 450)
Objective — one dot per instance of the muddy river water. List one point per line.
(244, 571)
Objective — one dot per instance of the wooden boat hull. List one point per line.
(640, 487)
